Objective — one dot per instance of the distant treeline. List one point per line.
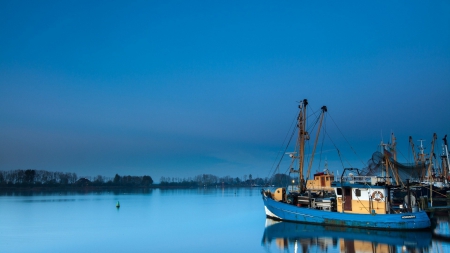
(43, 178)
(48, 179)
(205, 180)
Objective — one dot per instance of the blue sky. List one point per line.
(180, 88)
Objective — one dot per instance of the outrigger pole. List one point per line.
(324, 110)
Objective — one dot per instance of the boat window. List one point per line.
(339, 191)
(358, 193)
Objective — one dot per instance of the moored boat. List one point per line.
(352, 200)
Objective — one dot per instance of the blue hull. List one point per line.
(400, 221)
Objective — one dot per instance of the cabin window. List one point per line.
(328, 179)
(339, 191)
(358, 193)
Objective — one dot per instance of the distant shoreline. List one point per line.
(49, 181)
(36, 189)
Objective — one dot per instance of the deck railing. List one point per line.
(372, 180)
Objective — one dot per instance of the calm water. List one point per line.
(197, 220)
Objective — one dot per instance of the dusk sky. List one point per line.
(181, 88)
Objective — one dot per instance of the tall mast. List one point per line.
(421, 158)
(384, 151)
(324, 110)
(394, 153)
(302, 136)
(411, 142)
(430, 166)
(447, 170)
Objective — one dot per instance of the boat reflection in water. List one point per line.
(317, 238)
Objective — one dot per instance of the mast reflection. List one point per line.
(300, 237)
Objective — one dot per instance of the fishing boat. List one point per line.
(351, 200)
(428, 176)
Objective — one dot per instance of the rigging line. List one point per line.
(339, 153)
(315, 122)
(364, 206)
(284, 141)
(309, 131)
(436, 192)
(393, 173)
(279, 162)
(340, 158)
(409, 155)
(311, 112)
(349, 163)
(285, 172)
(347, 140)
(402, 154)
(323, 141)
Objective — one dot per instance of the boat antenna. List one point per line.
(326, 166)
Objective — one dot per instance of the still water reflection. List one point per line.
(191, 220)
(315, 238)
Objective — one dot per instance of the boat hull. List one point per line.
(401, 221)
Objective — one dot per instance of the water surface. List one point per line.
(194, 220)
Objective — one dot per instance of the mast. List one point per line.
(430, 165)
(430, 173)
(421, 158)
(446, 171)
(385, 153)
(324, 110)
(394, 153)
(411, 142)
(302, 136)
